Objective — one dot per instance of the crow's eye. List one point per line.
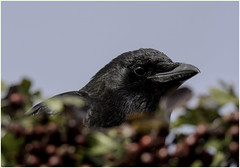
(140, 71)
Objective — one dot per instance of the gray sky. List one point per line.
(61, 45)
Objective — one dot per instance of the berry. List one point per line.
(146, 141)
(147, 158)
(162, 153)
(234, 148)
(80, 139)
(54, 161)
(234, 132)
(202, 131)
(16, 99)
(191, 140)
(51, 149)
(32, 160)
(132, 148)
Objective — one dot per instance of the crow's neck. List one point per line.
(116, 100)
(134, 102)
(124, 100)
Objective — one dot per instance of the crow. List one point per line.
(133, 82)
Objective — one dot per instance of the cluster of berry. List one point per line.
(48, 144)
(62, 141)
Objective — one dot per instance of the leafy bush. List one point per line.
(146, 141)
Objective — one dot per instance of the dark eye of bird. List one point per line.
(140, 71)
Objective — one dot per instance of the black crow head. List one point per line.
(150, 69)
(143, 70)
(135, 82)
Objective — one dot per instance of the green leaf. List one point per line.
(37, 94)
(11, 148)
(25, 86)
(222, 97)
(217, 159)
(214, 142)
(3, 161)
(58, 119)
(3, 86)
(101, 144)
(57, 103)
(197, 163)
(196, 116)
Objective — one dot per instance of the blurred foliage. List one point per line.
(60, 140)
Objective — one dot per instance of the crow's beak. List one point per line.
(179, 74)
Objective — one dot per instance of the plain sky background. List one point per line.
(61, 45)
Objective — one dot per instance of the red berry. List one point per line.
(52, 127)
(32, 160)
(147, 158)
(162, 153)
(54, 161)
(16, 129)
(40, 130)
(146, 141)
(132, 148)
(72, 123)
(80, 139)
(191, 140)
(234, 117)
(182, 150)
(234, 147)
(51, 149)
(234, 132)
(202, 131)
(29, 130)
(16, 99)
